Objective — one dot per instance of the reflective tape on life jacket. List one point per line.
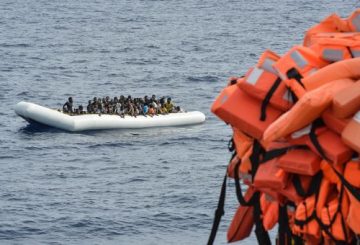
(351, 133)
(332, 23)
(242, 111)
(332, 122)
(243, 221)
(300, 161)
(339, 70)
(347, 101)
(302, 59)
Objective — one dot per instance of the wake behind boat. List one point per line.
(54, 118)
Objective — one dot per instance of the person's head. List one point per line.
(80, 107)
(153, 97)
(99, 100)
(89, 101)
(177, 108)
(70, 99)
(94, 99)
(107, 98)
(169, 100)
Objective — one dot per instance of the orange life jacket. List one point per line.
(351, 133)
(270, 175)
(332, 23)
(347, 101)
(242, 111)
(263, 82)
(334, 47)
(299, 60)
(333, 215)
(307, 109)
(334, 148)
(270, 212)
(332, 122)
(352, 173)
(243, 221)
(339, 70)
(242, 142)
(329, 173)
(305, 222)
(290, 191)
(300, 161)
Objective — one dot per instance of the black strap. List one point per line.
(231, 145)
(284, 230)
(294, 73)
(267, 98)
(261, 234)
(219, 212)
(254, 158)
(350, 52)
(239, 194)
(313, 187)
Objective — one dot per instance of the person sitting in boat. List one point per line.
(151, 111)
(131, 109)
(178, 109)
(68, 106)
(145, 109)
(89, 107)
(169, 105)
(81, 110)
(163, 109)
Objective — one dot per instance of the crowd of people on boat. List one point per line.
(147, 106)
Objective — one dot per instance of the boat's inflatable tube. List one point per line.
(33, 112)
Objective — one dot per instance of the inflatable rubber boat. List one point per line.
(39, 114)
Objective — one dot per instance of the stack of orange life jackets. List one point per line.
(296, 140)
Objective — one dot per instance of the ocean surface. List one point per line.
(150, 186)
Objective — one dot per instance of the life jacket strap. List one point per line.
(267, 98)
